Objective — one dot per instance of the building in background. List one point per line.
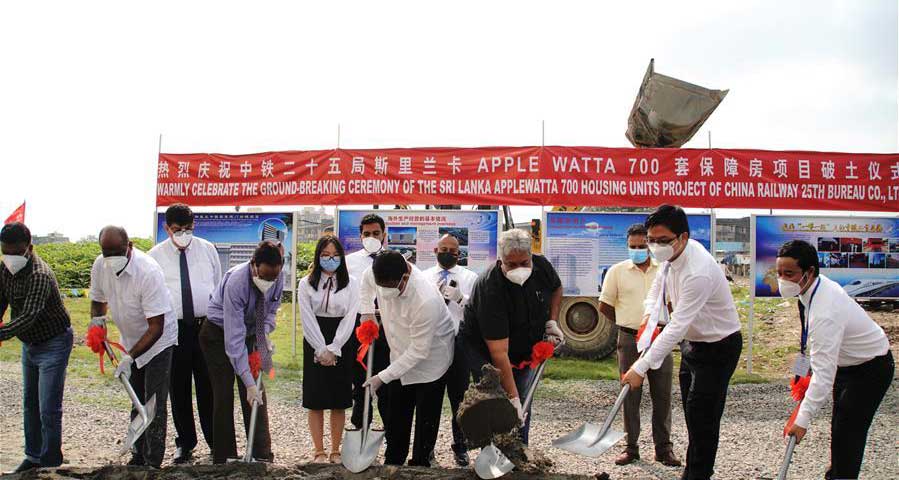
(312, 222)
(54, 237)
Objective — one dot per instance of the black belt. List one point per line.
(634, 332)
(197, 320)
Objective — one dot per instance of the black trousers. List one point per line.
(152, 380)
(382, 361)
(857, 392)
(705, 372)
(458, 378)
(424, 401)
(189, 370)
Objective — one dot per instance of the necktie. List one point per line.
(444, 275)
(804, 333)
(329, 284)
(187, 299)
(261, 343)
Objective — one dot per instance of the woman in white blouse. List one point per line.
(328, 299)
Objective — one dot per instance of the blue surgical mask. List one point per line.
(329, 264)
(638, 255)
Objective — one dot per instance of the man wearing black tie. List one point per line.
(192, 270)
(373, 233)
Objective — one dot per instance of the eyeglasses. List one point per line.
(328, 259)
(660, 241)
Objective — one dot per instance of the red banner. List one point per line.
(18, 215)
(570, 176)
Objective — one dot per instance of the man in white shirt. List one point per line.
(455, 283)
(192, 270)
(849, 355)
(624, 290)
(130, 286)
(705, 316)
(421, 334)
(373, 233)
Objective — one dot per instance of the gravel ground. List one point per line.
(751, 446)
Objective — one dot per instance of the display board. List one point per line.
(583, 245)
(415, 234)
(859, 253)
(236, 235)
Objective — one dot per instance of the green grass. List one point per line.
(577, 369)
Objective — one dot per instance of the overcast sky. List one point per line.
(87, 87)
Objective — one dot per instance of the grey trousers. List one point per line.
(660, 382)
(153, 379)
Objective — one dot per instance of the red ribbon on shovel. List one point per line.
(798, 387)
(255, 361)
(540, 352)
(366, 333)
(96, 336)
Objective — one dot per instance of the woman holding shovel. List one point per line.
(328, 304)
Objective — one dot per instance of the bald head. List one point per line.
(447, 251)
(448, 243)
(114, 241)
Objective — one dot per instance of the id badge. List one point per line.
(802, 365)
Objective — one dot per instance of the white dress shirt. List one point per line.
(135, 295)
(704, 309)
(465, 280)
(841, 334)
(418, 326)
(358, 262)
(205, 272)
(327, 302)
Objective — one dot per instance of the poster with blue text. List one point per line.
(415, 234)
(859, 253)
(236, 235)
(583, 245)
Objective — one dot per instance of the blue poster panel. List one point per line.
(859, 253)
(583, 245)
(236, 235)
(415, 234)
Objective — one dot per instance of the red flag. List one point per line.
(18, 215)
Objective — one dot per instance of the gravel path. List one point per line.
(751, 447)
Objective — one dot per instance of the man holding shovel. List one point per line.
(624, 290)
(130, 285)
(513, 306)
(240, 318)
(705, 316)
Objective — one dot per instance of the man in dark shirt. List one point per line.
(28, 287)
(513, 306)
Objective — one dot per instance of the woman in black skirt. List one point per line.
(328, 299)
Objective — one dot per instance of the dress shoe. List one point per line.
(461, 458)
(136, 461)
(668, 459)
(627, 458)
(26, 465)
(182, 455)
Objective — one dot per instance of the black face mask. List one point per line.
(447, 260)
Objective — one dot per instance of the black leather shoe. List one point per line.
(26, 465)
(136, 461)
(182, 455)
(461, 458)
(668, 459)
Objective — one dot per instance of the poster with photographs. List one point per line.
(859, 253)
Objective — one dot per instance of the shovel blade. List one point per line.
(491, 463)
(356, 454)
(138, 426)
(588, 440)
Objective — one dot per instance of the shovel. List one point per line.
(145, 413)
(592, 440)
(248, 456)
(788, 456)
(491, 462)
(361, 447)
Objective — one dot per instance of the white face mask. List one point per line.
(116, 264)
(182, 239)
(789, 288)
(262, 284)
(519, 275)
(662, 253)
(387, 292)
(371, 244)
(14, 263)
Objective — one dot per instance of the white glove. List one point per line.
(554, 333)
(453, 294)
(254, 395)
(327, 358)
(516, 402)
(374, 382)
(270, 344)
(124, 368)
(98, 322)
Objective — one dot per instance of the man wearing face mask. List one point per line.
(240, 318)
(192, 270)
(455, 283)
(513, 306)
(130, 286)
(848, 353)
(373, 233)
(624, 290)
(38, 318)
(705, 316)
(421, 334)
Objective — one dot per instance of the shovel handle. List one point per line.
(128, 388)
(614, 412)
(366, 406)
(788, 457)
(251, 435)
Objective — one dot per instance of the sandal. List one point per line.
(320, 457)
(335, 457)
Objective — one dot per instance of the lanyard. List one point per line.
(802, 317)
